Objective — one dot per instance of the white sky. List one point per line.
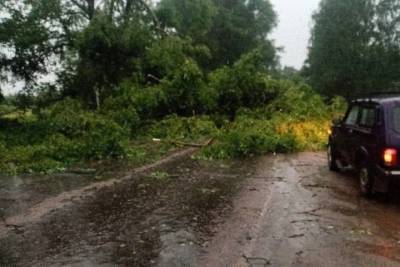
(293, 30)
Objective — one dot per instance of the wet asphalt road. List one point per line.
(292, 211)
(295, 212)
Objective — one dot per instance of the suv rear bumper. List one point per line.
(386, 179)
(388, 173)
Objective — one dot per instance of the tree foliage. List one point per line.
(92, 46)
(228, 28)
(37, 37)
(129, 70)
(107, 54)
(354, 47)
(29, 38)
(245, 83)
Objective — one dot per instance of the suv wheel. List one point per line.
(366, 181)
(332, 159)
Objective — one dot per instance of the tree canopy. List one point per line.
(354, 47)
(92, 46)
(228, 28)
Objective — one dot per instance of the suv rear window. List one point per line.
(352, 116)
(396, 119)
(368, 117)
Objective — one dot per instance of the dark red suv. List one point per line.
(368, 140)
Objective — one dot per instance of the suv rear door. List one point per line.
(366, 137)
(393, 128)
(346, 133)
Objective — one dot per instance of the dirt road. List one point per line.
(284, 210)
(294, 212)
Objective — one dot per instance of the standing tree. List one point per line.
(340, 46)
(355, 47)
(189, 18)
(386, 63)
(95, 41)
(229, 28)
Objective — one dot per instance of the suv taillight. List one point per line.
(390, 157)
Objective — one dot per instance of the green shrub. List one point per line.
(23, 130)
(246, 137)
(63, 149)
(104, 139)
(121, 109)
(245, 84)
(27, 159)
(93, 135)
(309, 134)
(338, 107)
(66, 117)
(6, 109)
(150, 102)
(298, 101)
(296, 120)
(147, 102)
(185, 90)
(62, 134)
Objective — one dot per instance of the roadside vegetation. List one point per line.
(129, 81)
(65, 133)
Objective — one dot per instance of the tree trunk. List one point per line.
(91, 8)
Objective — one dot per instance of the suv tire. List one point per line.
(332, 159)
(366, 180)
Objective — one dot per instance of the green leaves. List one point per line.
(296, 120)
(193, 19)
(64, 133)
(246, 83)
(228, 28)
(108, 54)
(92, 48)
(96, 136)
(353, 47)
(164, 57)
(33, 34)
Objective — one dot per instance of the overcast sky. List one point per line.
(293, 31)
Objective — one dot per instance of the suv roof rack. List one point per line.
(377, 94)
